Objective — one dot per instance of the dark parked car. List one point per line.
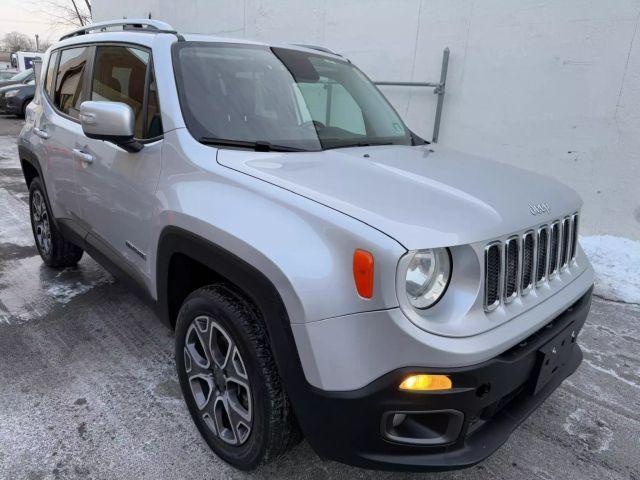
(15, 98)
(19, 78)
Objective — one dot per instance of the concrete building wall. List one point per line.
(550, 86)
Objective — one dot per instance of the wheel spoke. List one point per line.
(239, 400)
(37, 206)
(231, 426)
(237, 420)
(196, 343)
(235, 369)
(223, 424)
(221, 345)
(194, 366)
(202, 389)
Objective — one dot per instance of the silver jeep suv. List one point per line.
(328, 273)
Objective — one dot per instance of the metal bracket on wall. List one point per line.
(438, 89)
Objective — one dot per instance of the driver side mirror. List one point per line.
(110, 121)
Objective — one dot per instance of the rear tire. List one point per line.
(23, 110)
(223, 351)
(52, 246)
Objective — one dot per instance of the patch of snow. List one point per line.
(64, 292)
(30, 290)
(611, 372)
(8, 151)
(15, 226)
(593, 433)
(616, 261)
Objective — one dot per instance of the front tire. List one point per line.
(229, 379)
(52, 246)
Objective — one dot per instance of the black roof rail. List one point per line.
(141, 24)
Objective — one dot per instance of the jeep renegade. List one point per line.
(328, 274)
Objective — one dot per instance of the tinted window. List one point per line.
(154, 120)
(119, 75)
(68, 93)
(51, 73)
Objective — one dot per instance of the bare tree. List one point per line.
(16, 41)
(66, 13)
(44, 45)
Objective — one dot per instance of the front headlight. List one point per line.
(11, 93)
(427, 277)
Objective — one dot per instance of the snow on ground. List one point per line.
(8, 151)
(14, 221)
(63, 291)
(616, 261)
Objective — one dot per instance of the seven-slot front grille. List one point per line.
(524, 262)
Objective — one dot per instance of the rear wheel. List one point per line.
(53, 248)
(23, 110)
(229, 379)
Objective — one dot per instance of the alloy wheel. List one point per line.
(41, 222)
(218, 380)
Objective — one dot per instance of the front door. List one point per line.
(116, 189)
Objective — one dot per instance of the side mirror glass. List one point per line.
(110, 121)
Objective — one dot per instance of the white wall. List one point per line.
(553, 86)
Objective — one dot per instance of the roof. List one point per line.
(147, 29)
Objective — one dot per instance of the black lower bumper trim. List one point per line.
(494, 397)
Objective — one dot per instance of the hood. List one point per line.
(6, 83)
(18, 86)
(423, 196)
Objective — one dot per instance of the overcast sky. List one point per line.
(28, 17)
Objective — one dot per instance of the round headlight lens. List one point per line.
(428, 275)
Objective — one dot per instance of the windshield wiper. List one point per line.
(258, 146)
(359, 144)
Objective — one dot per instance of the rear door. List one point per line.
(116, 189)
(58, 128)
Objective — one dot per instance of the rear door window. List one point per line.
(69, 92)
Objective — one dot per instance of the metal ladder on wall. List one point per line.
(439, 89)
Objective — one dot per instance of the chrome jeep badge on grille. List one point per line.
(539, 208)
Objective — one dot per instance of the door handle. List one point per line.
(40, 133)
(80, 155)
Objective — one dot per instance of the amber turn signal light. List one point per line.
(425, 382)
(363, 273)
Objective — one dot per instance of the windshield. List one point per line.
(237, 95)
(18, 77)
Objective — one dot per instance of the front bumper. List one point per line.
(491, 399)
(9, 105)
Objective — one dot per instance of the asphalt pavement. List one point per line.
(88, 387)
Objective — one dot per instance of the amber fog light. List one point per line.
(426, 382)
